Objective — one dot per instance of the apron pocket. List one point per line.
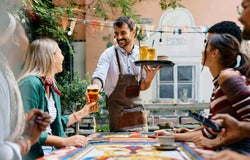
(130, 119)
(132, 91)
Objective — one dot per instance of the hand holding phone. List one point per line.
(205, 121)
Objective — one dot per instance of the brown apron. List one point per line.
(124, 113)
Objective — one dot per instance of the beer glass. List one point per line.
(93, 93)
(151, 53)
(143, 52)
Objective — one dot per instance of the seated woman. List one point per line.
(231, 90)
(38, 89)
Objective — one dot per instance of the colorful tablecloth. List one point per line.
(122, 145)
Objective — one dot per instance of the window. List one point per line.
(178, 83)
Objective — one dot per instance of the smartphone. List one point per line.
(205, 121)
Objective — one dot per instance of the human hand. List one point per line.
(36, 122)
(87, 107)
(226, 155)
(230, 132)
(150, 71)
(76, 140)
(162, 132)
(204, 143)
(181, 130)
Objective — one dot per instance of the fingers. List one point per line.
(79, 140)
(87, 97)
(89, 105)
(157, 68)
(161, 133)
(34, 112)
(149, 68)
(220, 116)
(43, 121)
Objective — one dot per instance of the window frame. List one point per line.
(195, 77)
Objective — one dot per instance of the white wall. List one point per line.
(182, 48)
(79, 57)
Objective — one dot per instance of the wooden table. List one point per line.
(122, 145)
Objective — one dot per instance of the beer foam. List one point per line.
(93, 86)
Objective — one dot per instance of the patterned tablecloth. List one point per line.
(122, 145)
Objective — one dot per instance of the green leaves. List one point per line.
(165, 4)
(108, 8)
(73, 93)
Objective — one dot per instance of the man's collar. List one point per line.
(124, 51)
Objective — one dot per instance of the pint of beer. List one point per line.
(93, 92)
(143, 52)
(151, 53)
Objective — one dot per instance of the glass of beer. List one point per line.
(143, 52)
(93, 93)
(151, 53)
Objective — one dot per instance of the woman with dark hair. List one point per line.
(231, 93)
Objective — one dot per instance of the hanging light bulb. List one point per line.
(160, 40)
(72, 26)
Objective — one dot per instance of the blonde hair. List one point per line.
(39, 58)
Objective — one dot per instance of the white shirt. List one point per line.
(52, 112)
(8, 150)
(107, 68)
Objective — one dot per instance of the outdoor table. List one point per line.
(122, 145)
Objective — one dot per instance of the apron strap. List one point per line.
(118, 62)
(119, 66)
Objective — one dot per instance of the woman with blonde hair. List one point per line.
(37, 84)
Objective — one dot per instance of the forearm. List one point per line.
(98, 82)
(244, 129)
(145, 84)
(77, 116)
(55, 141)
(187, 137)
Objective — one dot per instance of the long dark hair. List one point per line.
(229, 48)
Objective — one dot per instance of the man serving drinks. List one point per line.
(122, 80)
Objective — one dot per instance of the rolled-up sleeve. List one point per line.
(103, 65)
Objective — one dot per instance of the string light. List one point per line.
(147, 29)
(72, 26)
(160, 40)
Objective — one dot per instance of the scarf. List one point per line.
(48, 82)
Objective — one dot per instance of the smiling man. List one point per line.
(122, 80)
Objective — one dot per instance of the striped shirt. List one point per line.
(232, 97)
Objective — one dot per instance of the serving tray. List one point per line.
(155, 63)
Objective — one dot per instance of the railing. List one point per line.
(179, 106)
(178, 120)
